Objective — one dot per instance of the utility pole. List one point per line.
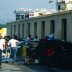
(50, 1)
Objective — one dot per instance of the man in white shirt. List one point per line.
(2, 42)
(13, 43)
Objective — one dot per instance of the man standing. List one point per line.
(13, 43)
(2, 42)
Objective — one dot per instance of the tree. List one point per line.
(2, 26)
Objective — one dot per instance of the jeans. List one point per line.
(0, 57)
(14, 51)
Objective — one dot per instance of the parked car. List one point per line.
(54, 52)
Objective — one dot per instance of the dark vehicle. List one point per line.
(54, 52)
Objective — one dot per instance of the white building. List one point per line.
(23, 13)
(64, 5)
(58, 23)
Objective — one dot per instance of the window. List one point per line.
(11, 30)
(43, 29)
(28, 28)
(18, 30)
(23, 30)
(17, 17)
(52, 28)
(14, 29)
(35, 28)
(22, 16)
(27, 16)
(64, 29)
(59, 7)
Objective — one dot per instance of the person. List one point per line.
(6, 46)
(2, 42)
(27, 39)
(36, 38)
(13, 43)
(51, 37)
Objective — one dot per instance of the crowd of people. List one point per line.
(4, 44)
(12, 43)
(30, 38)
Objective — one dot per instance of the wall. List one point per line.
(57, 17)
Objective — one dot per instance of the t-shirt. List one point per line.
(13, 42)
(2, 42)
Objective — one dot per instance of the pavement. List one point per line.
(10, 67)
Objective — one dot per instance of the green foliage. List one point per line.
(2, 26)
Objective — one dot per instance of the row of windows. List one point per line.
(52, 28)
(19, 17)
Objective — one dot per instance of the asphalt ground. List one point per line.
(10, 67)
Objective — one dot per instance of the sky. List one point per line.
(7, 7)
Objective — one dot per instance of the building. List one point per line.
(62, 5)
(58, 23)
(23, 13)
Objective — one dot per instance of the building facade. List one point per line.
(59, 24)
(62, 5)
(23, 13)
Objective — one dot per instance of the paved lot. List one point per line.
(22, 68)
(30, 68)
(10, 68)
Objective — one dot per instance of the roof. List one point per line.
(48, 15)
